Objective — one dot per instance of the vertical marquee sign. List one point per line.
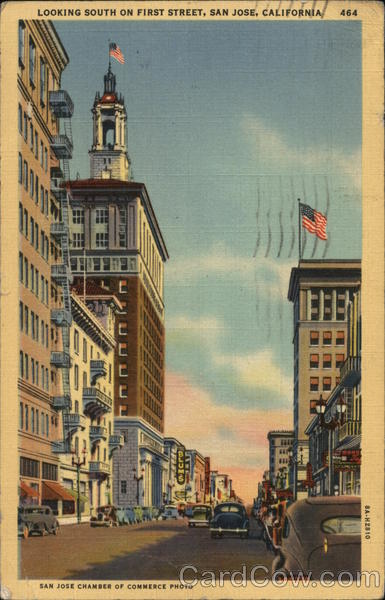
(181, 465)
(207, 475)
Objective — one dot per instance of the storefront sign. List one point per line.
(207, 475)
(181, 465)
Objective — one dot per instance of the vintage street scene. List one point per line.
(189, 264)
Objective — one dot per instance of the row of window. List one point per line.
(150, 403)
(31, 468)
(326, 383)
(150, 385)
(151, 367)
(31, 324)
(326, 361)
(30, 181)
(149, 253)
(151, 420)
(100, 264)
(149, 307)
(30, 229)
(31, 136)
(31, 420)
(31, 370)
(29, 276)
(32, 66)
(327, 338)
(327, 300)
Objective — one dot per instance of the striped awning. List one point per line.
(26, 490)
(54, 491)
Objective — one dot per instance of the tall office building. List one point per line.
(280, 442)
(320, 291)
(116, 240)
(41, 60)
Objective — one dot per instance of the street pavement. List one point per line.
(149, 551)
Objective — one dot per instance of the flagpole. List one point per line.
(84, 274)
(109, 55)
(299, 230)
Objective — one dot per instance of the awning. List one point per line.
(25, 490)
(75, 495)
(350, 442)
(54, 491)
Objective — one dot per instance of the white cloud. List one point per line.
(205, 329)
(259, 371)
(275, 152)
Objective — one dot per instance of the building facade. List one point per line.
(280, 443)
(140, 465)
(117, 241)
(41, 59)
(320, 291)
(195, 475)
(335, 450)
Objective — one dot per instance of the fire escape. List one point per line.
(61, 145)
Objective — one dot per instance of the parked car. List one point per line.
(170, 512)
(147, 513)
(36, 519)
(106, 516)
(138, 511)
(230, 517)
(322, 533)
(188, 511)
(200, 515)
(121, 516)
(156, 512)
(130, 515)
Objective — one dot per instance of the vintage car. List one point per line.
(147, 513)
(105, 516)
(36, 519)
(130, 515)
(321, 533)
(170, 512)
(230, 517)
(200, 515)
(121, 516)
(138, 511)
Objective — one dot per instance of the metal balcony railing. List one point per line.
(62, 402)
(61, 447)
(61, 104)
(95, 402)
(99, 467)
(74, 421)
(59, 229)
(97, 369)
(61, 146)
(98, 432)
(61, 317)
(351, 371)
(348, 429)
(59, 273)
(61, 359)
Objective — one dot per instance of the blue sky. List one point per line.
(228, 121)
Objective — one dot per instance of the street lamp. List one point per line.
(137, 479)
(78, 464)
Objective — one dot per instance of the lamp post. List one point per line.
(330, 426)
(78, 464)
(137, 479)
(293, 462)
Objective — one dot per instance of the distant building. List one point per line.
(196, 476)
(280, 442)
(320, 291)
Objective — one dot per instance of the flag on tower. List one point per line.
(116, 52)
(314, 221)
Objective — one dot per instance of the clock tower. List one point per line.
(108, 155)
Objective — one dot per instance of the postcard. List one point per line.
(192, 299)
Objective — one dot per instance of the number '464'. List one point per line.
(348, 13)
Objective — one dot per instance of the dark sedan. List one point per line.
(229, 518)
(321, 534)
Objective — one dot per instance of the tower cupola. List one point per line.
(108, 155)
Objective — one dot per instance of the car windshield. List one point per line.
(33, 511)
(199, 510)
(342, 525)
(228, 508)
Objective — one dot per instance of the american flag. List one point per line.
(314, 221)
(116, 52)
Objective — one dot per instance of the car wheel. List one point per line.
(25, 532)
